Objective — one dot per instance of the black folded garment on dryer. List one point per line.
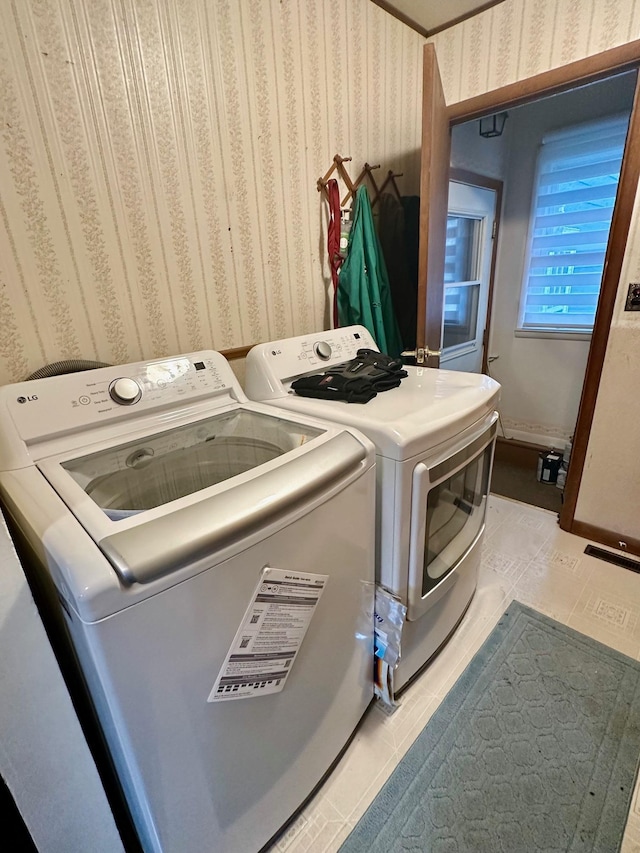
(381, 360)
(334, 386)
(354, 381)
(381, 370)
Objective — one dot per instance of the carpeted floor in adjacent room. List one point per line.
(515, 476)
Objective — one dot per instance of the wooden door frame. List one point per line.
(609, 63)
(464, 176)
(434, 194)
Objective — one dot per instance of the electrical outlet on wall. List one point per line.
(633, 297)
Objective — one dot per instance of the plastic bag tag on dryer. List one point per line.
(390, 614)
(270, 635)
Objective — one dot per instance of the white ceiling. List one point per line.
(434, 14)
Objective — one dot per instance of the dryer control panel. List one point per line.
(271, 367)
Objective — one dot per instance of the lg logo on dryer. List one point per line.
(28, 399)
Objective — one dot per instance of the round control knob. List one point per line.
(125, 391)
(323, 350)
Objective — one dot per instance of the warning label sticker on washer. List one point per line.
(272, 630)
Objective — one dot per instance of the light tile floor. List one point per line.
(527, 557)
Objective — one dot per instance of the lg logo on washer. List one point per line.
(28, 399)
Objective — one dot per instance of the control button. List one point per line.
(84, 400)
(323, 350)
(125, 391)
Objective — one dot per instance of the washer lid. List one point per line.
(156, 504)
(429, 407)
(149, 472)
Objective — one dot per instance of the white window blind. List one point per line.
(574, 195)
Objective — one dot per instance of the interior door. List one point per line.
(434, 191)
(578, 73)
(467, 275)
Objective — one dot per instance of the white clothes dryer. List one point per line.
(211, 562)
(435, 436)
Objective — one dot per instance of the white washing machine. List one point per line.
(435, 437)
(212, 562)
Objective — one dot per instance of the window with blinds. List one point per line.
(574, 194)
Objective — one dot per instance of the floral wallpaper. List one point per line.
(159, 160)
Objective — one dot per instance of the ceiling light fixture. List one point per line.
(493, 125)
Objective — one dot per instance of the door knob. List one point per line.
(421, 354)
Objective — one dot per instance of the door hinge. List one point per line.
(494, 229)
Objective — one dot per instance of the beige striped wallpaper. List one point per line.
(158, 166)
(519, 38)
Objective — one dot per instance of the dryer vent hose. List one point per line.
(73, 365)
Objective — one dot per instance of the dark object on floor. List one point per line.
(534, 748)
(515, 476)
(612, 557)
(549, 462)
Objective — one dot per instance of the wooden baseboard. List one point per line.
(516, 452)
(621, 543)
(525, 455)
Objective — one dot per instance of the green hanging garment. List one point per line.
(364, 295)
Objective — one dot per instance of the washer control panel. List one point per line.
(43, 408)
(323, 350)
(271, 367)
(125, 391)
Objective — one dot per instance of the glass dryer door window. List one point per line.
(448, 509)
(456, 509)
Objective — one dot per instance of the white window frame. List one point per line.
(556, 330)
(478, 237)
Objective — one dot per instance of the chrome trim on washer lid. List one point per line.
(163, 545)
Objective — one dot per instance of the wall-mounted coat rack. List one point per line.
(397, 241)
(351, 185)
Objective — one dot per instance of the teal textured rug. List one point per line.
(535, 748)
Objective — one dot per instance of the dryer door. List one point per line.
(449, 502)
